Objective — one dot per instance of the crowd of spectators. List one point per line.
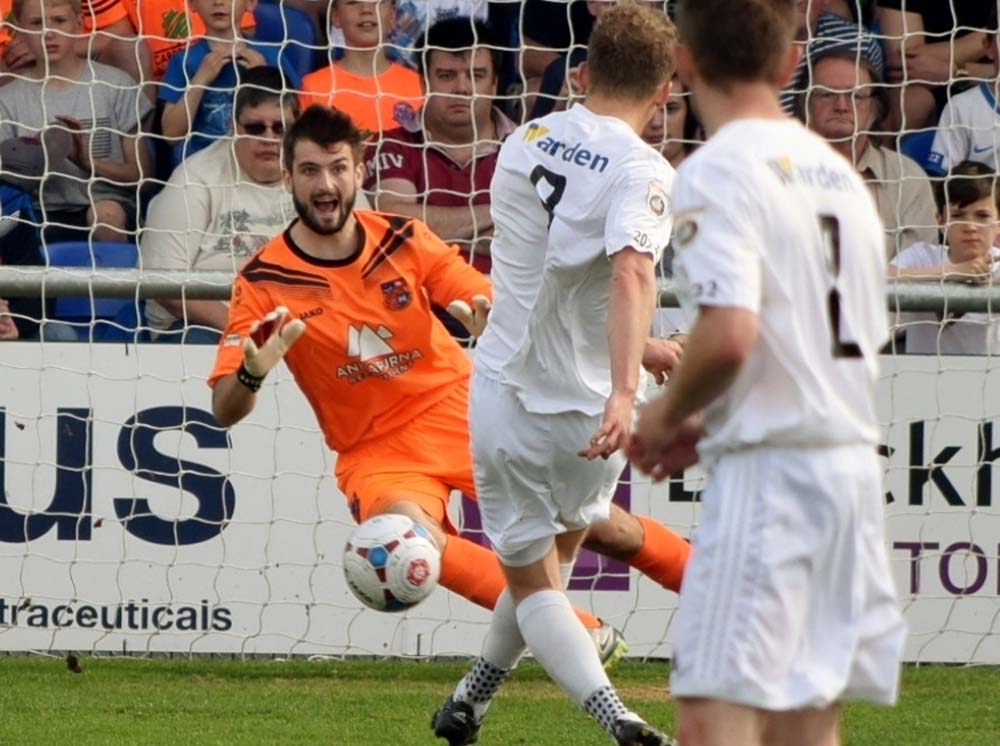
(159, 122)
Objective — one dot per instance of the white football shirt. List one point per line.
(570, 190)
(962, 334)
(771, 219)
(969, 130)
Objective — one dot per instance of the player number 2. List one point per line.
(830, 228)
(550, 187)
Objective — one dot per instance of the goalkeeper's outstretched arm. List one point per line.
(234, 395)
(231, 400)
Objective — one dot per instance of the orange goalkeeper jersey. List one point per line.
(373, 356)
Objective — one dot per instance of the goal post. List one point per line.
(130, 522)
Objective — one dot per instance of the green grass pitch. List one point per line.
(386, 703)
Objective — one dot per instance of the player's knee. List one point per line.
(109, 221)
(691, 731)
(416, 513)
(803, 728)
(620, 536)
(107, 212)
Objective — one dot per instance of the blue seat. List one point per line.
(917, 145)
(293, 30)
(100, 319)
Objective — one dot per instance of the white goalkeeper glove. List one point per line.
(268, 341)
(474, 318)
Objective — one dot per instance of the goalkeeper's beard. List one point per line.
(305, 212)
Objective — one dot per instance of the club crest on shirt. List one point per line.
(685, 228)
(657, 199)
(397, 294)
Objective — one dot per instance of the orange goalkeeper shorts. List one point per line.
(421, 462)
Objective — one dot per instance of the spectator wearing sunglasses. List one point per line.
(221, 205)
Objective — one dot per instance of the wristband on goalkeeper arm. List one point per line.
(248, 379)
(266, 344)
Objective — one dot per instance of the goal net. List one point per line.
(130, 522)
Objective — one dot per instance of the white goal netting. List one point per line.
(130, 522)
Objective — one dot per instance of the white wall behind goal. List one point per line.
(240, 551)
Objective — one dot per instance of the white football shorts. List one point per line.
(788, 601)
(530, 483)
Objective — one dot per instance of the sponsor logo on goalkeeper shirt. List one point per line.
(573, 153)
(376, 357)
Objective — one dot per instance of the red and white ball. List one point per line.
(391, 563)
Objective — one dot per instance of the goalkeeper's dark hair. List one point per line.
(459, 35)
(326, 127)
(968, 182)
(259, 85)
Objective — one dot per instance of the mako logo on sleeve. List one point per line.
(573, 153)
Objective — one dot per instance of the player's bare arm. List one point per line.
(661, 356)
(267, 342)
(720, 343)
(630, 313)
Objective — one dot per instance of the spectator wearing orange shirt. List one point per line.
(12, 56)
(439, 168)
(164, 27)
(114, 40)
(378, 94)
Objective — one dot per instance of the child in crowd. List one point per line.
(969, 129)
(377, 93)
(200, 81)
(969, 213)
(93, 184)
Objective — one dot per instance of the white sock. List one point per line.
(502, 649)
(562, 645)
(504, 645)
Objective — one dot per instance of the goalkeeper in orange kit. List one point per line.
(388, 384)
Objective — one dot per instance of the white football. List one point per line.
(391, 563)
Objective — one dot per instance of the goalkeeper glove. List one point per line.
(474, 318)
(268, 341)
